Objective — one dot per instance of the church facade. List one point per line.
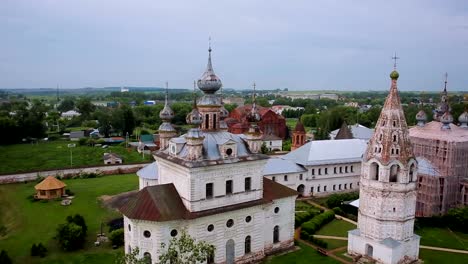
(387, 190)
(209, 183)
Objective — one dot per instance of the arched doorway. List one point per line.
(369, 250)
(230, 251)
(300, 189)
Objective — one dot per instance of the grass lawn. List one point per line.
(336, 228)
(442, 237)
(55, 154)
(303, 206)
(33, 222)
(334, 243)
(304, 255)
(437, 257)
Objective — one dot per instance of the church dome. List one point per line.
(421, 116)
(394, 75)
(253, 116)
(463, 119)
(166, 113)
(209, 83)
(446, 119)
(194, 117)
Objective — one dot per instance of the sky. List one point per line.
(300, 45)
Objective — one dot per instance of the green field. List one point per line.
(442, 237)
(55, 154)
(304, 255)
(303, 206)
(33, 222)
(336, 227)
(438, 257)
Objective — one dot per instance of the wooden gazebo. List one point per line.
(50, 188)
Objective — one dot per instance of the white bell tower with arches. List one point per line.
(387, 199)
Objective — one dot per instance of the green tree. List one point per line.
(85, 107)
(70, 236)
(185, 249)
(132, 258)
(117, 237)
(67, 104)
(264, 148)
(4, 258)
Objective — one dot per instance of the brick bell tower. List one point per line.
(298, 135)
(387, 198)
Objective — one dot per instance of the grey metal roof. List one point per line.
(328, 152)
(211, 142)
(149, 172)
(279, 166)
(359, 132)
(426, 167)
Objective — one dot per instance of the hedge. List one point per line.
(302, 217)
(317, 222)
(306, 236)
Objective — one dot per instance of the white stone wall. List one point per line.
(273, 144)
(322, 180)
(191, 183)
(142, 182)
(260, 229)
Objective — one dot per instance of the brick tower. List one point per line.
(298, 136)
(387, 190)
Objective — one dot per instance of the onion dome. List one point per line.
(463, 119)
(394, 75)
(166, 113)
(446, 119)
(421, 117)
(209, 83)
(194, 117)
(253, 116)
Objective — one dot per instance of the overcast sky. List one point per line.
(301, 45)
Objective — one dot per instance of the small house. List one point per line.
(76, 135)
(50, 188)
(112, 158)
(147, 144)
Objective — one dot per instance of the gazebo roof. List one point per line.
(50, 183)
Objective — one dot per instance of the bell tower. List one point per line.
(298, 135)
(387, 198)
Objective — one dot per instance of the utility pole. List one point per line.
(70, 146)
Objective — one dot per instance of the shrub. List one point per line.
(117, 237)
(317, 222)
(338, 211)
(82, 141)
(70, 236)
(4, 258)
(38, 250)
(335, 200)
(318, 242)
(302, 217)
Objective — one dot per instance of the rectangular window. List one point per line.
(334, 170)
(318, 188)
(300, 176)
(341, 170)
(326, 170)
(352, 169)
(339, 186)
(334, 186)
(209, 190)
(248, 184)
(285, 177)
(229, 187)
(319, 171)
(325, 188)
(313, 171)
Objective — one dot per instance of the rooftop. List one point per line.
(328, 152)
(358, 131)
(433, 130)
(163, 203)
(279, 165)
(50, 183)
(149, 171)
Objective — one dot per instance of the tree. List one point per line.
(185, 249)
(264, 148)
(38, 250)
(4, 258)
(72, 235)
(117, 237)
(132, 258)
(66, 105)
(85, 107)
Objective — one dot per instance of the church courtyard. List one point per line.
(25, 222)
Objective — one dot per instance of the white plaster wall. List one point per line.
(260, 229)
(142, 182)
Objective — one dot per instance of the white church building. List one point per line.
(319, 168)
(387, 199)
(209, 182)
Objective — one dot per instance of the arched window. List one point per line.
(247, 245)
(350, 185)
(346, 169)
(394, 138)
(214, 121)
(374, 171)
(207, 121)
(412, 173)
(394, 170)
(147, 257)
(276, 234)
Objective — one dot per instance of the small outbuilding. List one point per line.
(112, 158)
(50, 188)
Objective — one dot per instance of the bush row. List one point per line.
(335, 200)
(302, 217)
(455, 219)
(314, 224)
(305, 236)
